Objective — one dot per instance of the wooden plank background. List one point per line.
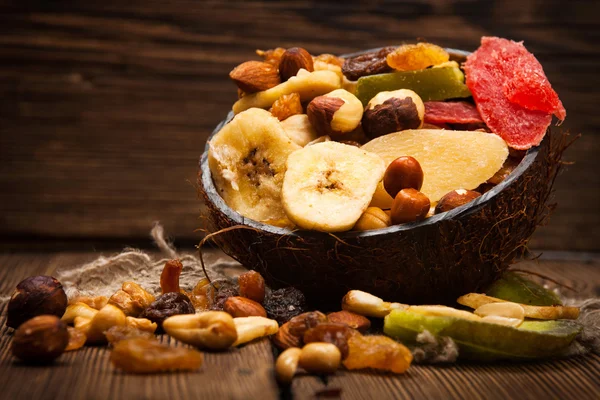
(105, 106)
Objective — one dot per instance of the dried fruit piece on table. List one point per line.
(167, 305)
(451, 112)
(353, 320)
(139, 355)
(299, 324)
(40, 339)
(327, 186)
(476, 300)
(485, 341)
(76, 339)
(299, 129)
(96, 302)
(370, 63)
(238, 306)
(105, 319)
(501, 63)
(393, 111)
(132, 299)
(438, 83)
(331, 332)
(308, 85)
(514, 287)
(320, 358)
(250, 328)
(252, 286)
(411, 57)
(284, 304)
(293, 60)
(286, 106)
(169, 277)
(377, 352)
(202, 294)
(255, 76)
(272, 56)
(118, 333)
(33, 296)
(78, 310)
(247, 160)
(449, 159)
(213, 330)
(366, 304)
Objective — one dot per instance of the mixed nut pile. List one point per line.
(386, 137)
(224, 314)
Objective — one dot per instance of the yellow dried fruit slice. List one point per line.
(450, 159)
(411, 57)
(307, 84)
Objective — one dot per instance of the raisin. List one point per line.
(286, 106)
(140, 355)
(283, 304)
(169, 278)
(378, 352)
(225, 290)
(330, 332)
(252, 286)
(303, 322)
(117, 333)
(202, 294)
(367, 64)
(167, 305)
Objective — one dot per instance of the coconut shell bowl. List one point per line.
(433, 261)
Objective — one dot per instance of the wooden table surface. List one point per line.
(247, 373)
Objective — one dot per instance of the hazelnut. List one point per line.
(403, 173)
(255, 76)
(36, 295)
(409, 205)
(238, 306)
(294, 59)
(454, 199)
(394, 111)
(40, 339)
(372, 218)
(335, 113)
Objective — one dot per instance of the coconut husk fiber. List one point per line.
(429, 262)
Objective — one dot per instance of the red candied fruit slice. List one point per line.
(451, 112)
(487, 70)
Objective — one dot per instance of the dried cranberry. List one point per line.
(283, 304)
(167, 305)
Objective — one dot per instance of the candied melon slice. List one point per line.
(450, 159)
(443, 82)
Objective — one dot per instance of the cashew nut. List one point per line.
(287, 364)
(211, 329)
(78, 310)
(250, 328)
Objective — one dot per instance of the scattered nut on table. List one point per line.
(40, 339)
(33, 296)
(366, 304)
(132, 299)
(213, 330)
(250, 328)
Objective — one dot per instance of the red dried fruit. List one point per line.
(451, 112)
(252, 286)
(488, 71)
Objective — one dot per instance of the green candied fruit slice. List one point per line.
(514, 287)
(432, 84)
(484, 341)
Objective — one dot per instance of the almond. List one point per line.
(293, 60)
(255, 76)
(358, 322)
(283, 339)
(242, 307)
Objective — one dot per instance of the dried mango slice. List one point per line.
(307, 84)
(450, 159)
(444, 82)
(412, 57)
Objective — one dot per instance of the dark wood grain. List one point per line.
(247, 373)
(105, 106)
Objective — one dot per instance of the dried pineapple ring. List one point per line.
(412, 57)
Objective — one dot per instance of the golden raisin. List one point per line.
(286, 106)
(144, 356)
(117, 333)
(272, 56)
(202, 294)
(252, 286)
(378, 352)
(411, 57)
(169, 278)
(76, 339)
